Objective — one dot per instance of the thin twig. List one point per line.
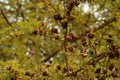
(18, 10)
(64, 43)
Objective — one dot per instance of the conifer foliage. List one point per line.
(59, 39)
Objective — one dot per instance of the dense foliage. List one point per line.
(59, 39)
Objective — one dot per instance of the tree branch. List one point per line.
(104, 24)
(97, 58)
(90, 62)
(51, 55)
(99, 27)
(19, 5)
(5, 17)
